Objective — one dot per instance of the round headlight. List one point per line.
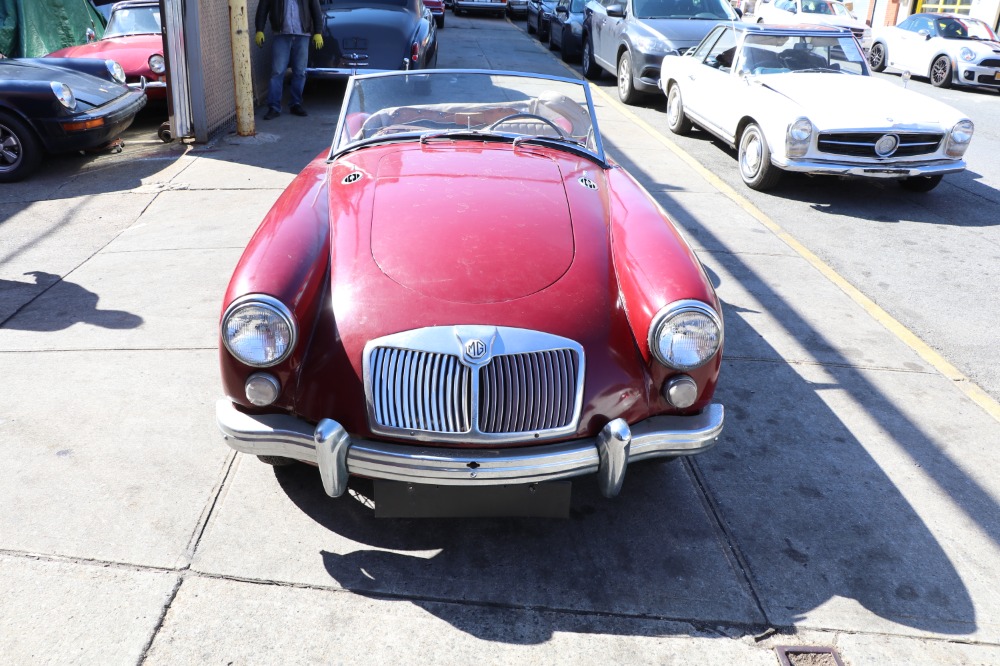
(156, 64)
(967, 54)
(116, 71)
(800, 130)
(258, 330)
(962, 131)
(63, 94)
(685, 335)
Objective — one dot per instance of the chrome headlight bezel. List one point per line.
(967, 54)
(156, 64)
(281, 319)
(115, 70)
(64, 94)
(670, 314)
(960, 137)
(798, 137)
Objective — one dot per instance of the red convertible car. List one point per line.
(466, 291)
(133, 39)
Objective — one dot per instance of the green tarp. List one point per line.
(33, 28)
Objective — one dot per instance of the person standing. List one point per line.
(292, 21)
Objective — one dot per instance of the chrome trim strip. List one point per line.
(896, 169)
(290, 437)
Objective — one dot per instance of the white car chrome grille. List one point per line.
(474, 384)
(862, 144)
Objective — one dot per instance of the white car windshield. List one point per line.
(683, 9)
(443, 105)
(134, 21)
(779, 54)
(953, 28)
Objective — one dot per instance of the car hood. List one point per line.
(132, 53)
(456, 226)
(89, 90)
(835, 101)
(682, 33)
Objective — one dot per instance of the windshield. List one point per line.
(683, 9)
(134, 21)
(778, 54)
(952, 28)
(443, 105)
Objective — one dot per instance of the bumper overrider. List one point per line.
(338, 455)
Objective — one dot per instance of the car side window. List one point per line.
(909, 24)
(786, 5)
(723, 51)
(706, 44)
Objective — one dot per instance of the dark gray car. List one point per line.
(566, 29)
(629, 38)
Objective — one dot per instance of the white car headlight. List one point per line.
(259, 330)
(959, 138)
(967, 54)
(156, 64)
(798, 137)
(116, 71)
(63, 94)
(685, 334)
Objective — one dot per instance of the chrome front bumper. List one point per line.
(873, 170)
(338, 455)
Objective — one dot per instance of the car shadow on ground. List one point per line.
(71, 304)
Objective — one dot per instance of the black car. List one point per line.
(539, 13)
(374, 35)
(57, 105)
(630, 38)
(566, 29)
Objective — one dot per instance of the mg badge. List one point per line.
(475, 349)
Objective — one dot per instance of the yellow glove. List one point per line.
(259, 38)
(318, 41)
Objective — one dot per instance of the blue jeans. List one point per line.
(287, 50)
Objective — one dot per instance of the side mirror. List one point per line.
(739, 12)
(91, 35)
(616, 11)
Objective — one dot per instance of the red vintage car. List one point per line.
(466, 291)
(133, 39)
(437, 11)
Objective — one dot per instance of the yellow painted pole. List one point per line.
(242, 74)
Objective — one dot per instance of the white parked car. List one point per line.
(813, 12)
(947, 48)
(801, 98)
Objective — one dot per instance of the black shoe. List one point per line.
(272, 114)
(297, 110)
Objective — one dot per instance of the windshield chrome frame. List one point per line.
(600, 157)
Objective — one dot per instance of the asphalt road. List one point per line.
(932, 261)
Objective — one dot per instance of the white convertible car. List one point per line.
(801, 98)
(946, 48)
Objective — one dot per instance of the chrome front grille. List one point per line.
(862, 144)
(421, 391)
(474, 384)
(525, 392)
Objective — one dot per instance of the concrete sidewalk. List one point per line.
(851, 503)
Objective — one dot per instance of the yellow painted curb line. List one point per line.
(905, 335)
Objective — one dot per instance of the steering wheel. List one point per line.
(532, 116)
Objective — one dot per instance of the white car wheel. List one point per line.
(677, 121)
(755, 160)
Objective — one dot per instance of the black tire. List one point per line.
(626, 84)
(548, 39)
(529, 26)
(941, 72)
(920, 183)
(277, 461)
(677, 120)
(20, 150)
(440, 21)
(591, 70)
(754, 158)
(877, 57)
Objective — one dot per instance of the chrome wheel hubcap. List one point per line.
(624, 76)
(10, 149)
(752, 153)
